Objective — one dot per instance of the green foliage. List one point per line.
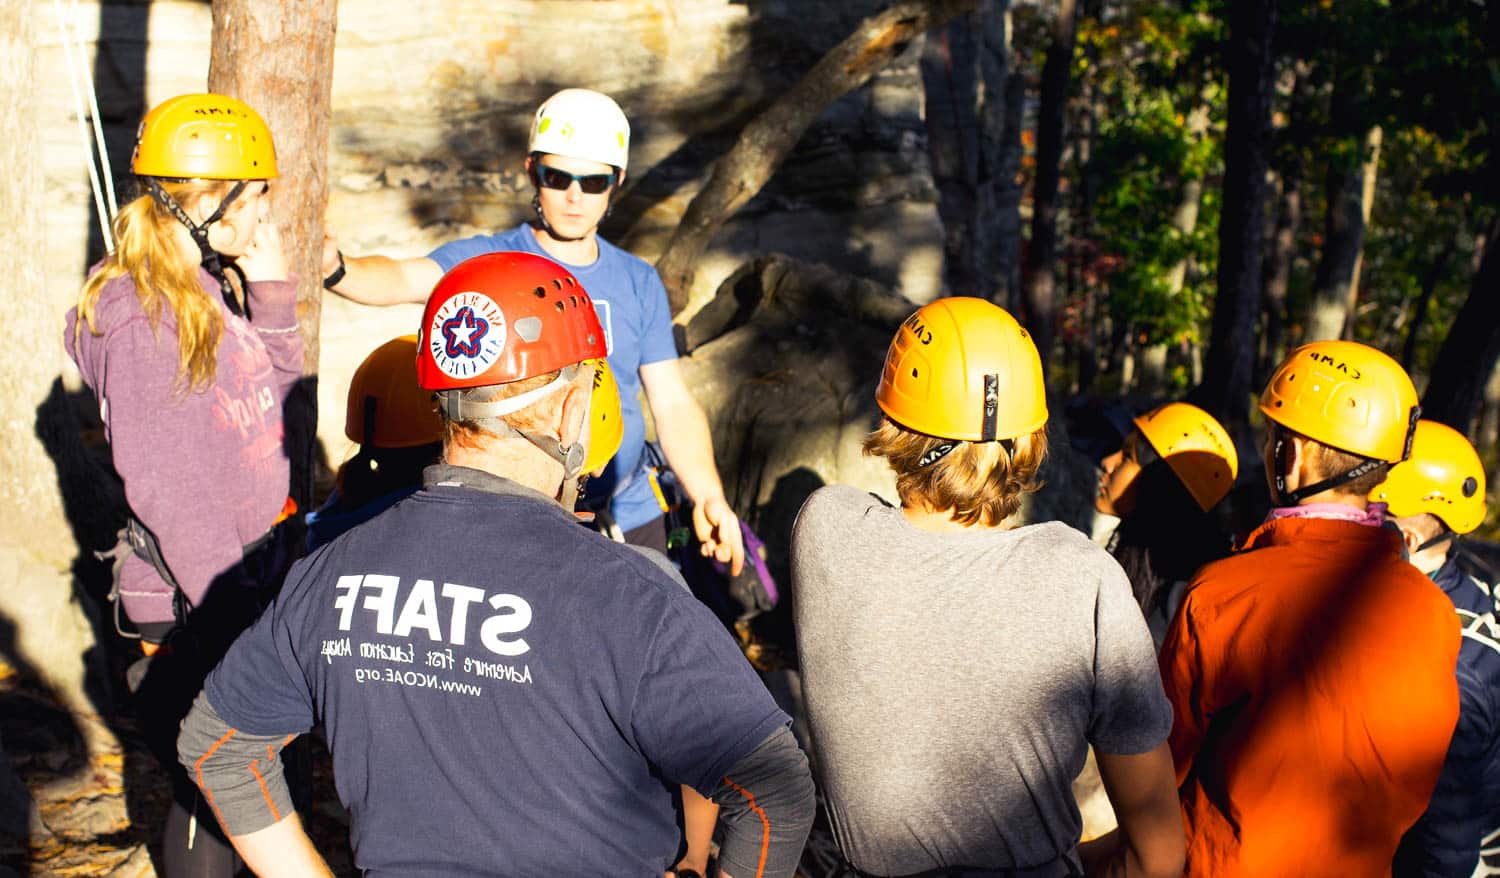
(1146, 65)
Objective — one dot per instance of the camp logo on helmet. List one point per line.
(467, 335)
(1330, 361)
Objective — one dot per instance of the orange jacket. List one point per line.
(1312, 680)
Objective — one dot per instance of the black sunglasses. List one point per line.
(557, 178)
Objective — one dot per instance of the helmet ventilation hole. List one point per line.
(558, 305)
(540, 292)
(913, 372)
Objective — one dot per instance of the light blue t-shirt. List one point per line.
(637, 321)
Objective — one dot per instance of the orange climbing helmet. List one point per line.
(963, 368)
(1443, 476)
(204, 136)
(386, 408)
(1197, 448)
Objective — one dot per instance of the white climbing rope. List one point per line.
(98, 155)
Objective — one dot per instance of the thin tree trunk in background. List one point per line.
(767, 140)
(964, 72)
(950, 91)
(1185, 223)
(1350, 193)
(278, 58)
(1226, 388)
(1007, 218)
(1488, 431)
(1368, 174)
(1279, 273)
(1430, 281)
(1040, 271)
(1468, 355)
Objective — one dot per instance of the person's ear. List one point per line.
(575, 413)
(1298, 460)
(1409, 536)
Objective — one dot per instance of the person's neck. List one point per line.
(942, 522)
(514, 459)
(1432, 558)
(580, 252)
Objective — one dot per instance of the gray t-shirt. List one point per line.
(954, 681)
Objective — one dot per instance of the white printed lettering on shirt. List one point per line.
(420, 611)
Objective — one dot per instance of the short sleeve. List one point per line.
(1130, 711)
(700, 707)
(657, 343)
(454, 252)
(259, 687)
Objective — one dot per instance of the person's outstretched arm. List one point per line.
(1142, 788)
(380, 280)
(766, 806)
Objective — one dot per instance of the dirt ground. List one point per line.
(97, 814)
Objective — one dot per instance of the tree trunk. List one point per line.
(1007, 217)
(1040, 272)
(1279, 272)
(1469, 353)
(43, 631)
(1430, 279)
(1185, 222)
(1350, 193)
(278, 58)
(1231, 356)
(767, 140)
(964, 72)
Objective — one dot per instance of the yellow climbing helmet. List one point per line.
(606, 426)
(386, 408)
(963, 368)
(204, 136)
(1443, 476)
(1195, 446)
(1346, 395)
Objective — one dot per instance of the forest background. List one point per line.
(1170, 193)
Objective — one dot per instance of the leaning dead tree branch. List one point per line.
(767, 140)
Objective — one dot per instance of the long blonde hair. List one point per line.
(148, 250)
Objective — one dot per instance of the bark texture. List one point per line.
(1351, 192)
(1468, 356)
(965, 71)
(1040, 270)
(1231, 355)
(767, 140)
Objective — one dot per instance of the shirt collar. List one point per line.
(446, 475)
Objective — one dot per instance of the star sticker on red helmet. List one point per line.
(463, 332)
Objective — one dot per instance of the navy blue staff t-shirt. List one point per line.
(504, 691)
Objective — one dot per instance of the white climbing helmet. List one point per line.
(581, 124)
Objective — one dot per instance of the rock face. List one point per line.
(432, 106)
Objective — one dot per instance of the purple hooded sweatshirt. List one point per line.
(204, 470)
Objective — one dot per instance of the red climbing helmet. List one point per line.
(504, 317)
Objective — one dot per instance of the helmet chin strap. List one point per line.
(211, 259)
